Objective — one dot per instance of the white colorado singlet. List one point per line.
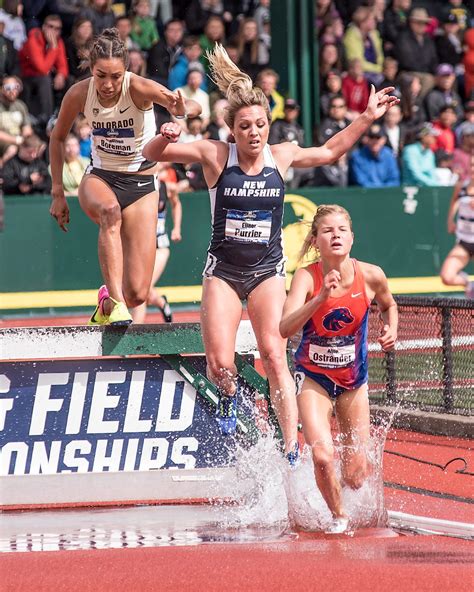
(119, 132)
(465, 219)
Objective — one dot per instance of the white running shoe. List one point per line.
(338, 525)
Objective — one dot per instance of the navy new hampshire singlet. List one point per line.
(247, 214)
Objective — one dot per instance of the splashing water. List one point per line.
(270, 493)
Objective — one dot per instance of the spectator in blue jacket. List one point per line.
(192, 53)
(374, 165)
(418, 159)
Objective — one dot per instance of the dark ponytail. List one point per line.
(108, 45)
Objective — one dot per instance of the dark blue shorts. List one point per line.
(242, 280)
(332, 389)
(468, 246)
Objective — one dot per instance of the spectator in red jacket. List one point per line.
(355, 89)
(44, 67)
(446, 140)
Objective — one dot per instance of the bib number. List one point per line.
(248, 227)
(119, 142)
(465, 227)
(337, 352)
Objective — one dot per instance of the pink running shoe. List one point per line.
(98, 316)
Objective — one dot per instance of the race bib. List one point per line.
(465, 226)
(119, 142)
(332, 352)
(248, 227)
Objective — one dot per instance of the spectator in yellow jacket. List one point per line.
(362, 41)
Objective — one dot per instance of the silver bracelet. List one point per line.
(180, 116)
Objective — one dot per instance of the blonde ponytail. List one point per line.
(234, 84)
(306, 248)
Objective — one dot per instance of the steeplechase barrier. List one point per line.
(82, 406)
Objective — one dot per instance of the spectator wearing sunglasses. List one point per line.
(335, 122)
(44, 68)
(14, 118)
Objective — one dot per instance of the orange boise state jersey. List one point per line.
(334, 341)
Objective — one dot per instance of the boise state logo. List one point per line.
(337, 318)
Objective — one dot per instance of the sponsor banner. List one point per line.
(104, 415)
(415, 215)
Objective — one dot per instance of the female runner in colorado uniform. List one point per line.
(330, 301)
(119, 192)
(245, 256)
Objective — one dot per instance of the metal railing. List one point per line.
(432, 367)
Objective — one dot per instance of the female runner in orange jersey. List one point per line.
(330, 301)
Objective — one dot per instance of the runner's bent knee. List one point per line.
(220, 370)
(109, 215)
(355, 477)
(355, 473)
(135, 296)
(323, 455)
(273, 353)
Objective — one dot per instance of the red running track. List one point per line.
(401, 564)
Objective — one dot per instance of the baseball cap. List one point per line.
(291, 104)
(448, 18)
(428, 129)
(444, 70)
(375, 131)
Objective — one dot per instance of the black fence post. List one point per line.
(446, 334)
(390, 378)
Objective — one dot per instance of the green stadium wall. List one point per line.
(401, 229)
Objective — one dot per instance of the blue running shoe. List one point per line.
(293, 456)
(226, 414)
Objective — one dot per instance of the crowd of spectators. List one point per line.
(424, 50)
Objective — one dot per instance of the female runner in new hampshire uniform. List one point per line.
(245, 256)
(119, 192)
(462, 203)
(330, 301)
